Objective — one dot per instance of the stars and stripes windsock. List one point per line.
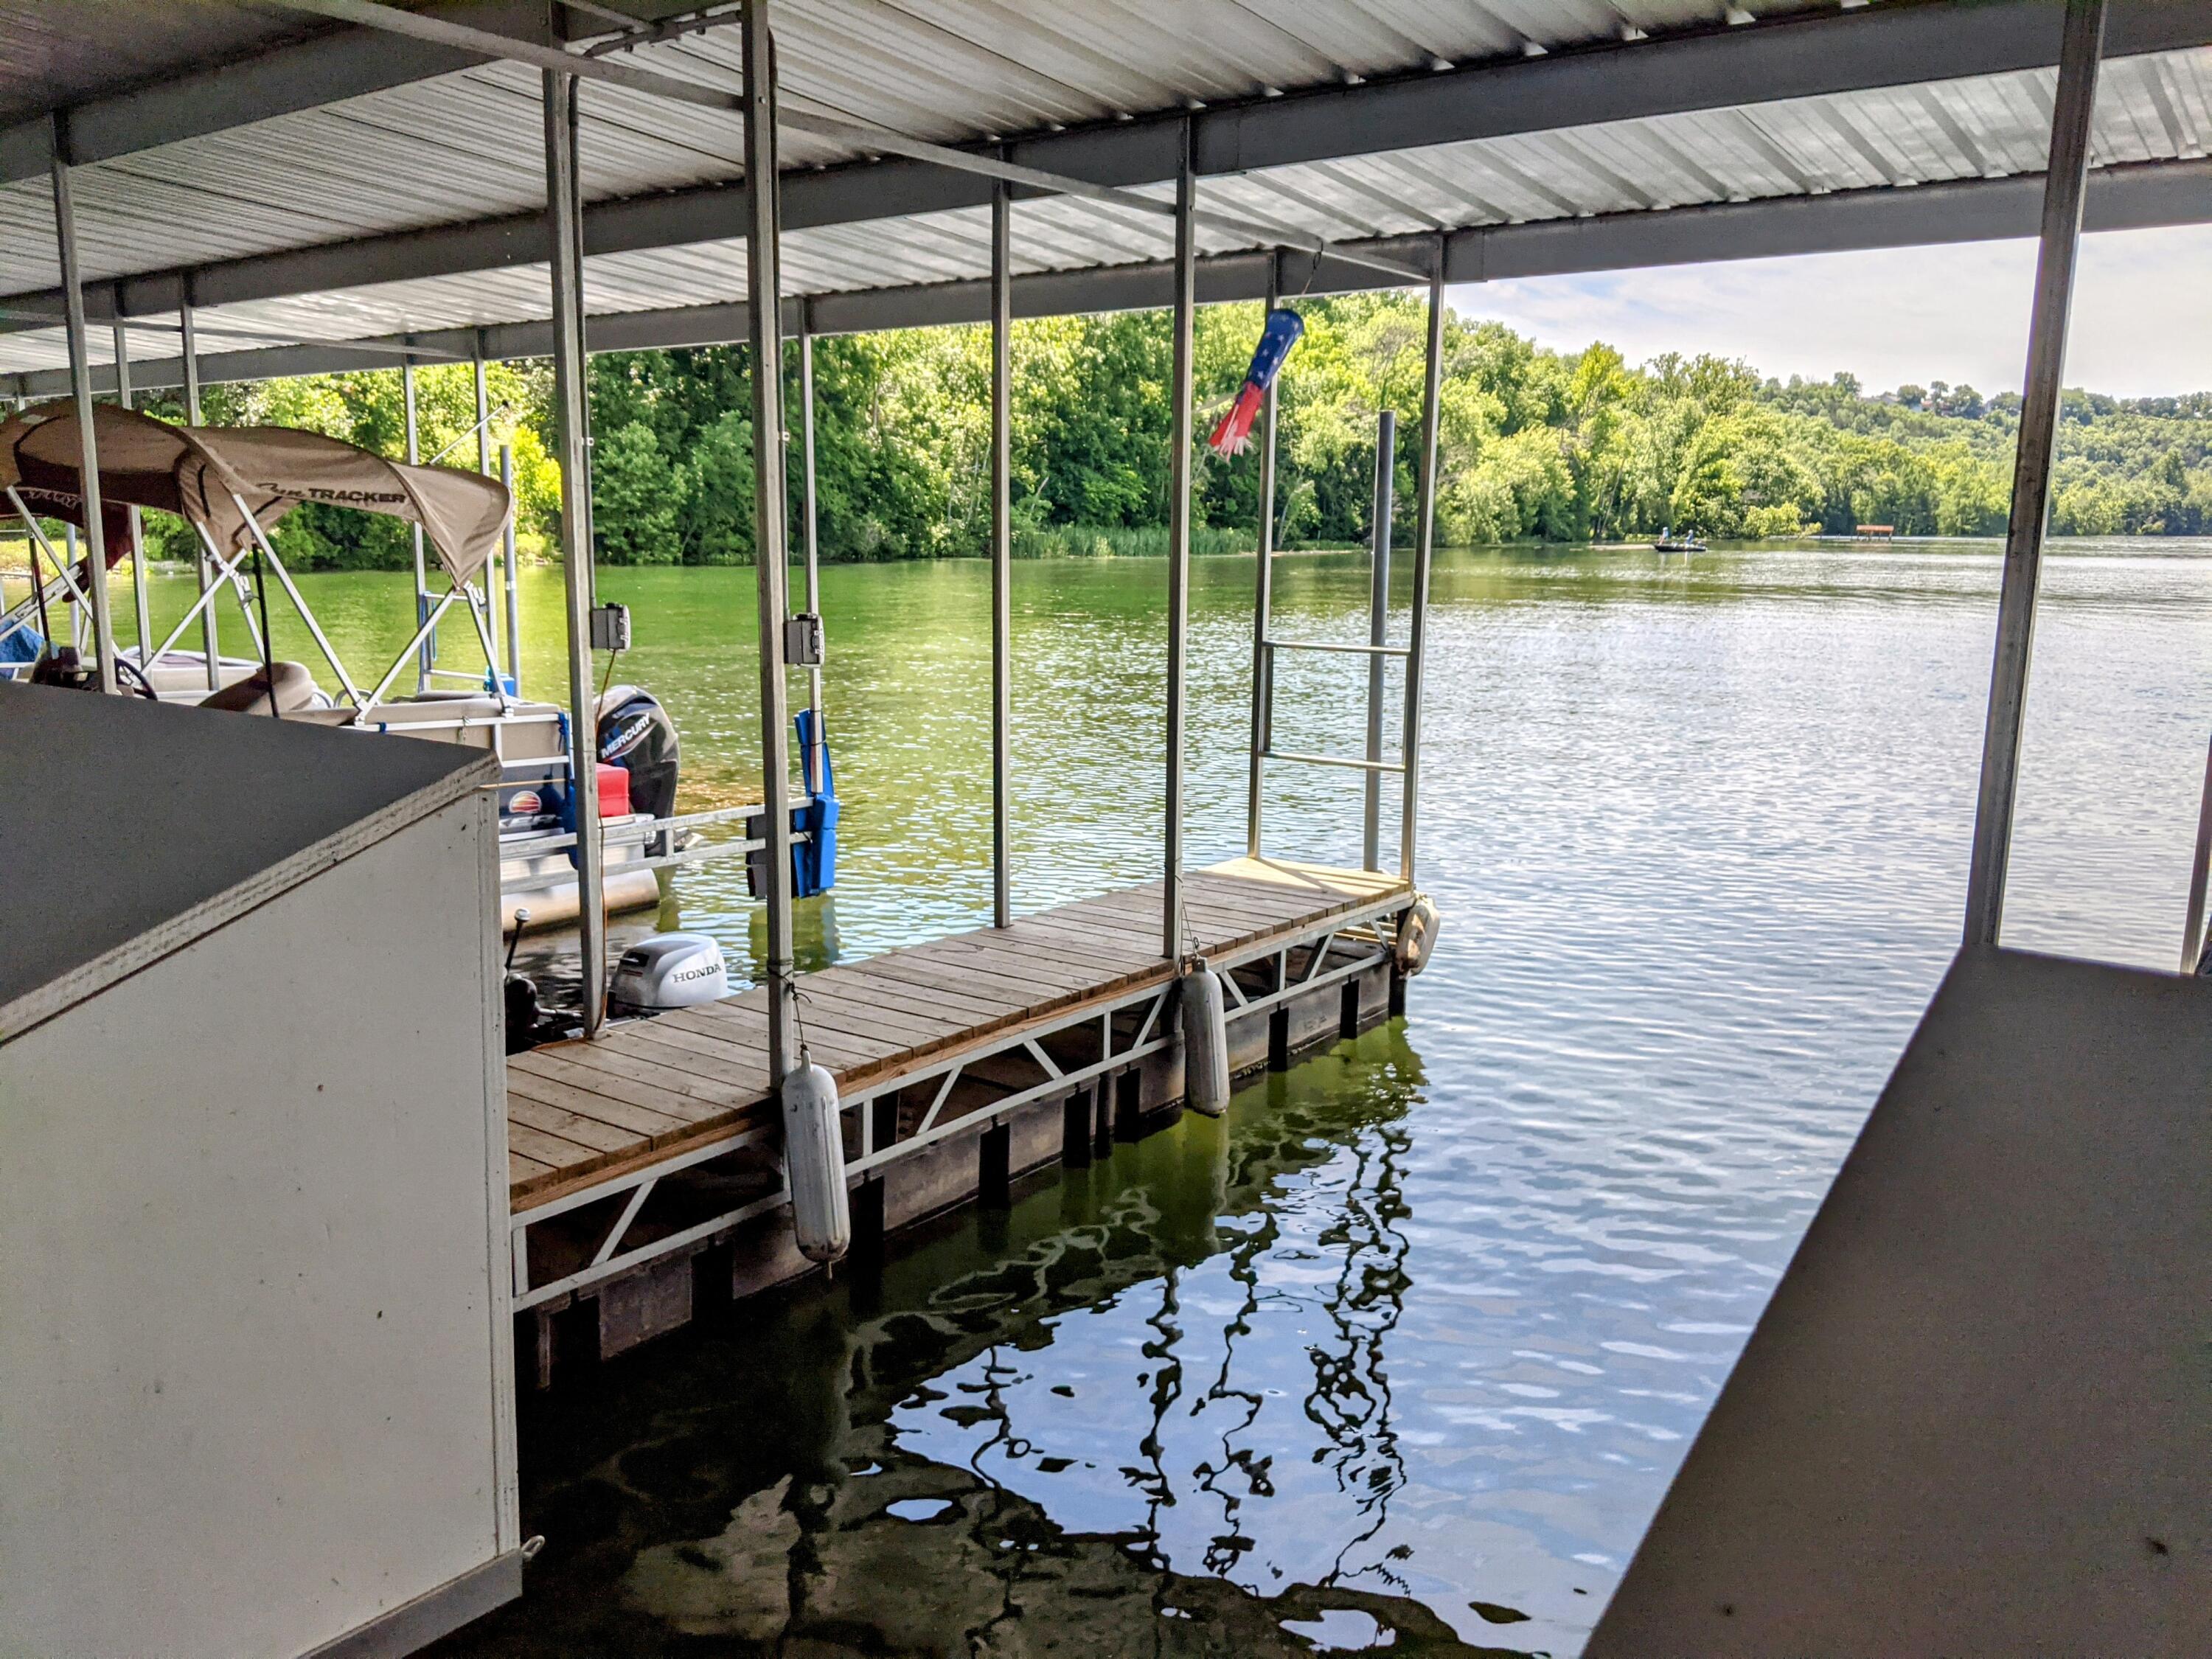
(1282, 328)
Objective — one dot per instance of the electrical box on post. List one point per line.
(802, 641)
(610, 628)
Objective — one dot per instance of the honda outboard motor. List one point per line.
(637, 734)
(671, 971)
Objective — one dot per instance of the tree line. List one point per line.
(1534, 444)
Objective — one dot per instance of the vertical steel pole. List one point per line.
(568, 371)
(2200, 871)
(1002, 547)
(1424, 547)
(809, 505)
(103, 624)
(2079, 51)
(484, 466)
(764, 291)
(145, 619)
(210, 637)
(1378, 629)
(583, 324)
(1186, 315)
(1263, 592)
(426, 654)
(506, 553)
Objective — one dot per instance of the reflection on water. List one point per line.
(1412, 1356)
(1064, 1428)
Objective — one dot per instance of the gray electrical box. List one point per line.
(802, 641)
(611, 628)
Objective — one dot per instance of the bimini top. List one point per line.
(213, 475)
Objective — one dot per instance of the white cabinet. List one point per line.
(255, 1377)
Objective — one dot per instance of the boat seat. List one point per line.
(295, 690)
(529, 731)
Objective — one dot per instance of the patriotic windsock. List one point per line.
(1281, 332)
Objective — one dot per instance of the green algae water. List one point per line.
(1402, 1355)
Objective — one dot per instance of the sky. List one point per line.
(2141, 324)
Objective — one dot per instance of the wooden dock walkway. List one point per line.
(581, 1113)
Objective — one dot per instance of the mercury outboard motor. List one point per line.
(637, 734)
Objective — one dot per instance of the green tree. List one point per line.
(633, 512)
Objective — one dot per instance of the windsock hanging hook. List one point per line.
(1277, 337)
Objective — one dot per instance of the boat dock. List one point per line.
(960, 1064)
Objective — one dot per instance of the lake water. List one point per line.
(1406, 1354)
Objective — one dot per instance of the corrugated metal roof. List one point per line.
(465, 147)
(2149, 108)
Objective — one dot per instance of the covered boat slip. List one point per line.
(1066, 1018)
(382, 201)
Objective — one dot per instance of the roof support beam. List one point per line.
(306, 75)
(1906, 42)
(373, 14)
(2137, 197)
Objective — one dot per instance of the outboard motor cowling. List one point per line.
(637, 734)
(671, 970)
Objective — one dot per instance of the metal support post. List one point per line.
(1378, 627)
(2079, 48)
(2200, 872)
(428, 654)
(1424, 547)
(1185, 313)
(568, 371)
(583, 323)
(809, 505)
(764, 288)
(1263, 593)
(210, 640)
(506, 556)
(103, 624)
(484, 466)
(145, 619)
(1002, 547)
(84, 601)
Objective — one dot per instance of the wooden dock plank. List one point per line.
(644, 1124)
(1028, 997)
(995, 998)
(577, 1111)
(833, 1009)
(585, 1132)
(550, 1149)
(618, 1073)
(723, 1071)
(747, 1027)
(965, 1009)
(1074, 948)
(1044, 964)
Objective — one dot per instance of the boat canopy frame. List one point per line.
(233, 485)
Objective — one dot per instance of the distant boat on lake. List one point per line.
(1687, 542)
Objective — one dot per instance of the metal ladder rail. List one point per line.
(1377, 652)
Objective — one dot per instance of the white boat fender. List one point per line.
(814, 1162)
(1205, 1041)
(1417, 935)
